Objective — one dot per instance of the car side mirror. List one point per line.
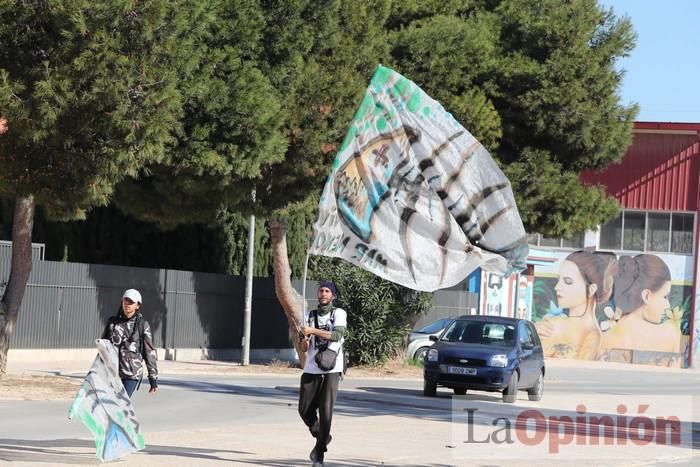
(527, 346)
(433, 338)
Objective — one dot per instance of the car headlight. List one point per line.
(499, 361)
(432, 355)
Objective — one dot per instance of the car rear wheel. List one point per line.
(460, 391)
(420, 354)
(429, 389)
(511, 391)
(535, 392)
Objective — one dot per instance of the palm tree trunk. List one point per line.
(290, 300)
(20, 268)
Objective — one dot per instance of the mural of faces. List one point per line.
(642, 286)
(571, 287)
(656, 303)
(633, 292)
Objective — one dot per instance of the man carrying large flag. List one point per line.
(413, 197)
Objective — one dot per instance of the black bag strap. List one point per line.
(315, 312)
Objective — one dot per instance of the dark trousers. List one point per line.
(317, 395)
(131, 385)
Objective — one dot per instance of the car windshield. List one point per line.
(480, 332)
(434, 327)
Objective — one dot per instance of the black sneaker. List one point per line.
(316, 457)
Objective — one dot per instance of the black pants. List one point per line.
(317, 395)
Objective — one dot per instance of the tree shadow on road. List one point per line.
(55, 451)
(418, 393)
(328, 463)
(82, 452)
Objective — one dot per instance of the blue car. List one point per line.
(486, 353)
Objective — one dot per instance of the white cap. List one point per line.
(133, 295)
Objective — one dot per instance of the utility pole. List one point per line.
(248, 290)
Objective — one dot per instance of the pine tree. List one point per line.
(88, 92)
(535, 82)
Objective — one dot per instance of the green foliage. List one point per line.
(415, 362)
(551, 199)
(320, 56)
(301, 217)
(108, 236)
(231, 128)
(233, 230)
(377, 309)
(535, 82)
(89, 92)
(276, 84)
(189, 106)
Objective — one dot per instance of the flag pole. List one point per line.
(303, 283)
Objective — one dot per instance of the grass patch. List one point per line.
(417, 362)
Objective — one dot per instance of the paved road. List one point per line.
(252, 420)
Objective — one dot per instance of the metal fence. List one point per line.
(66, 305)
(38, 250)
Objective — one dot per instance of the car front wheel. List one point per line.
(429, 389)
(511, 391)
(535, 392)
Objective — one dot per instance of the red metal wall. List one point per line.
(660, 171)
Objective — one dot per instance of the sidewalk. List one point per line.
(174, 367)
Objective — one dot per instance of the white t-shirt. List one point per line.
(340, 318)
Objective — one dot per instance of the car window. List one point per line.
(434, 327)
(480, 332)
(454, 331)
(533, 331)
(526, 337)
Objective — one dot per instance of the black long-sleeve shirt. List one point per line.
(133, 347)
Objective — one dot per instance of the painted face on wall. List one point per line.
(655, 303)
(571, 287)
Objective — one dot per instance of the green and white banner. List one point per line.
(413, 197)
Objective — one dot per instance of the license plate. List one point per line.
(460, 370)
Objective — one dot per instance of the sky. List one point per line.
(663, 71)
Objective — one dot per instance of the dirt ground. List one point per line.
(38, 388)
(31, 387)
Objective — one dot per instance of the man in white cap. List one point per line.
(131, 334)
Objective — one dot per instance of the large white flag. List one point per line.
(413, 197)
(105, 408)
